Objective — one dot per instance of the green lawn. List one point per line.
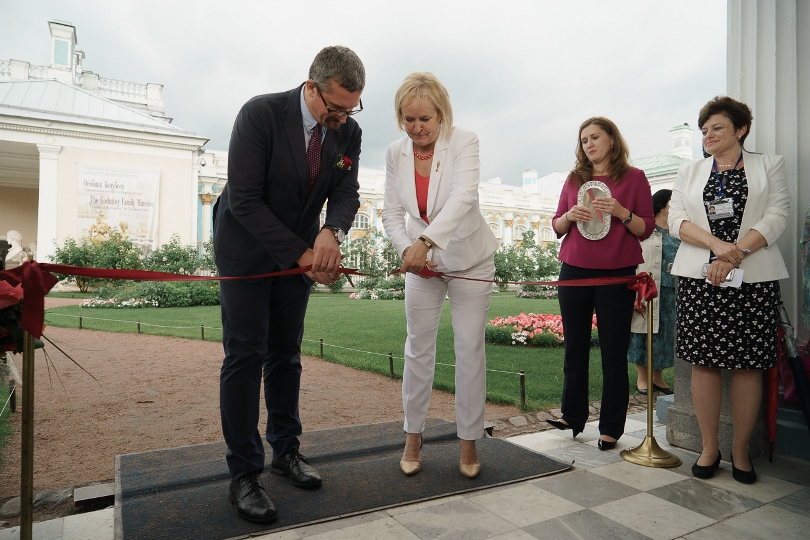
(361, 334)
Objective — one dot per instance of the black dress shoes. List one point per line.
(744, 477)
(606, 445)
(642, 391)
(251, 499)
(295, 466)
(706, 471)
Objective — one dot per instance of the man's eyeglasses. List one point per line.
(335, 112)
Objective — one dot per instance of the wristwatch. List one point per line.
(340, 236)
(628, 219)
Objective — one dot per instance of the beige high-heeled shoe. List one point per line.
(410, 468)
(470, 470)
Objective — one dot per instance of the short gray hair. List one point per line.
(339, 64)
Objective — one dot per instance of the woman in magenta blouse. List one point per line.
(601, 155)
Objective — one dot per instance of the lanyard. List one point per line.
(720, 182)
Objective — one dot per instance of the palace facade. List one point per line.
(78, 151)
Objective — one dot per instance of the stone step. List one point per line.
(94, 497)
(792, 435)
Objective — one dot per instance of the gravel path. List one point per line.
(158, 392)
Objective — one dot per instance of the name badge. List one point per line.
(720, 208)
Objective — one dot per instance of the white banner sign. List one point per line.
(119, 198)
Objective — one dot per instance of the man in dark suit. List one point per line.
(267, 219)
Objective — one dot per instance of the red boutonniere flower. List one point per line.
(343, 162)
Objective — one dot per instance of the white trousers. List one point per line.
(469, 303)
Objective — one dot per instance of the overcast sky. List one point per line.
(522, 74)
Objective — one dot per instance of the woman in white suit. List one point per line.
(432, 217)
(728, 210)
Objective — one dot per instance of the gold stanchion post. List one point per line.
(27, 454)
(648, 453)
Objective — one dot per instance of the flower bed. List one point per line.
(113, 303)
(539, 330)
(378, 294)
(543, 292)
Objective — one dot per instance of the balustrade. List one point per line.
(122, 90)
(37, 72)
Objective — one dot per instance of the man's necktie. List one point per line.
(314, 157)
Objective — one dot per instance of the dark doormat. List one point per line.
(182, 493)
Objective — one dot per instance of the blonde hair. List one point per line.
(425, 85)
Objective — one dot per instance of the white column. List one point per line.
(507, 231)
(766, 62)
(47, 209)
(194, 192)
(207, 199)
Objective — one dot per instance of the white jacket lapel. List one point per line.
(407, 176)
(436, 173)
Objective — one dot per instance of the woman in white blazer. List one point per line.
(432, 217)
(728, 210)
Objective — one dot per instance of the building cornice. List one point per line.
(100, 137)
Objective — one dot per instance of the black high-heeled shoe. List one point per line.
(559, 424)
(562, 426)
(606, 445)
(706, 471)
(667, 391)
(744, 477)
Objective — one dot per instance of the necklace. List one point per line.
(730, 164)
(423, 158)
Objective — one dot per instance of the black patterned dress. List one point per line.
(726, 327)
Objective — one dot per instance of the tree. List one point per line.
(73, 254)
(371, 252)
(174, 257)
(505, 267)
(113, 250)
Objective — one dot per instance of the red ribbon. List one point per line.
(642, 283)
(36, 279)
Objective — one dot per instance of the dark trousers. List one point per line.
(614, 311)
(262, 327)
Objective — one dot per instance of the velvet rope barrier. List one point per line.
(37, 279)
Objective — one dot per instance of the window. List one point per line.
(61, 52)
(496, 230)
(519, 232)
(323, 217)
(361, 221)
(547, 236)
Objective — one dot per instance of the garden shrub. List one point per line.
(117, 252)
(114, 251)
(337, 286)
(157, 294)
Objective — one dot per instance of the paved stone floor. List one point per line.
(602, 496)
